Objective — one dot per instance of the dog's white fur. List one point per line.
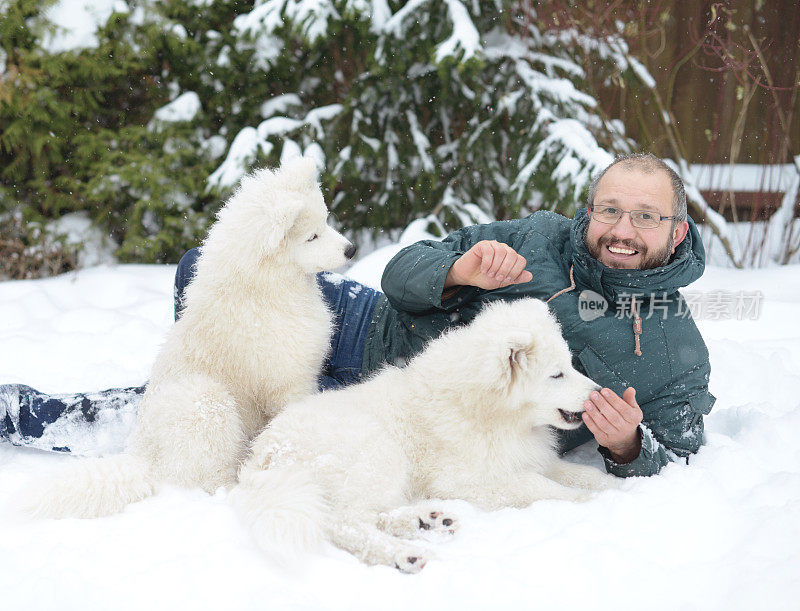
(252, 337)
(468, 418)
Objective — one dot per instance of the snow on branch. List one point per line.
(183, 108)
(280, 104)
(252, 140)
(379, 15)
(560, 90)
(242, 153)
(465, 35)
(420, 141)
(265, 16)
(611, 48)
(578, 154)
(312, 16)
(464, 40)
(499, 45)
(394, 25)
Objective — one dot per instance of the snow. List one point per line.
(264, 14)
(756, 244)
(421, 141)
(312, 14)
(559, 89)
(380, 14)
(464, 37)
(242, 153)
(747, 177)
(719, 533)
(182, 108)
(78, 21)
(78, 230)
(316, 116)
(279, 104)
(250, 140)
(577, 151)
(641, 71)
(394, 25)
(500, 44)
(276, 126)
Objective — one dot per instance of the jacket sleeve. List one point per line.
(672, 427)
(413, 280)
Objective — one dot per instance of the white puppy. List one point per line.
(252, 337)
(469, 418)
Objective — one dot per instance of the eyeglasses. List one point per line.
(643, 219)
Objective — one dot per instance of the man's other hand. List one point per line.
(614, 422)
(488, 265)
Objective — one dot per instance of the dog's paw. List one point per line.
(438, 521)
(407, 522)
(410, 560)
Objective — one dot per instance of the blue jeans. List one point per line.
(31, 418)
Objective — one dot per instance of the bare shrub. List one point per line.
(28, 251)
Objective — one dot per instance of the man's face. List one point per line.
(623, 246)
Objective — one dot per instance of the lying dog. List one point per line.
(252, 337)
(468, 418)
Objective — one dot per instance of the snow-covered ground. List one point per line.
(721, 533)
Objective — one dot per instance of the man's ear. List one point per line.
(678, 234)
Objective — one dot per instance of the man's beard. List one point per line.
(649, 260)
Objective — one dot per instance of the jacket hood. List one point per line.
(686, 266)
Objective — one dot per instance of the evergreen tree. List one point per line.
(77, 131)
(453, 110)
(464, 109)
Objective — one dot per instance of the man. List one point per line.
(611, 275)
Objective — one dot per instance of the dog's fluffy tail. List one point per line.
(284, 509)
(90, 488)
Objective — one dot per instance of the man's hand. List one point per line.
(488, 265)
(614, 420)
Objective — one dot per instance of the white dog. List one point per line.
(468, 418)
(252, 337)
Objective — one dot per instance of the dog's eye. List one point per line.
(312, 238)
(560, 374)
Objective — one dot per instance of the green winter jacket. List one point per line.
(671, 372)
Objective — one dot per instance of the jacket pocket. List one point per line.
(700, 405)
(597, 370)
(702, 402)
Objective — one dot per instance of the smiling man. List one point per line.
(632, 248)
(627, 253)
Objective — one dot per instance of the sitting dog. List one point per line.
(469, 418)
(253, 337)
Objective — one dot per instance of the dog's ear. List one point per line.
(300, 173)
(518, 353)
(518, 357)
(284, 219)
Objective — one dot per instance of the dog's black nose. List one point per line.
(350, 251)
